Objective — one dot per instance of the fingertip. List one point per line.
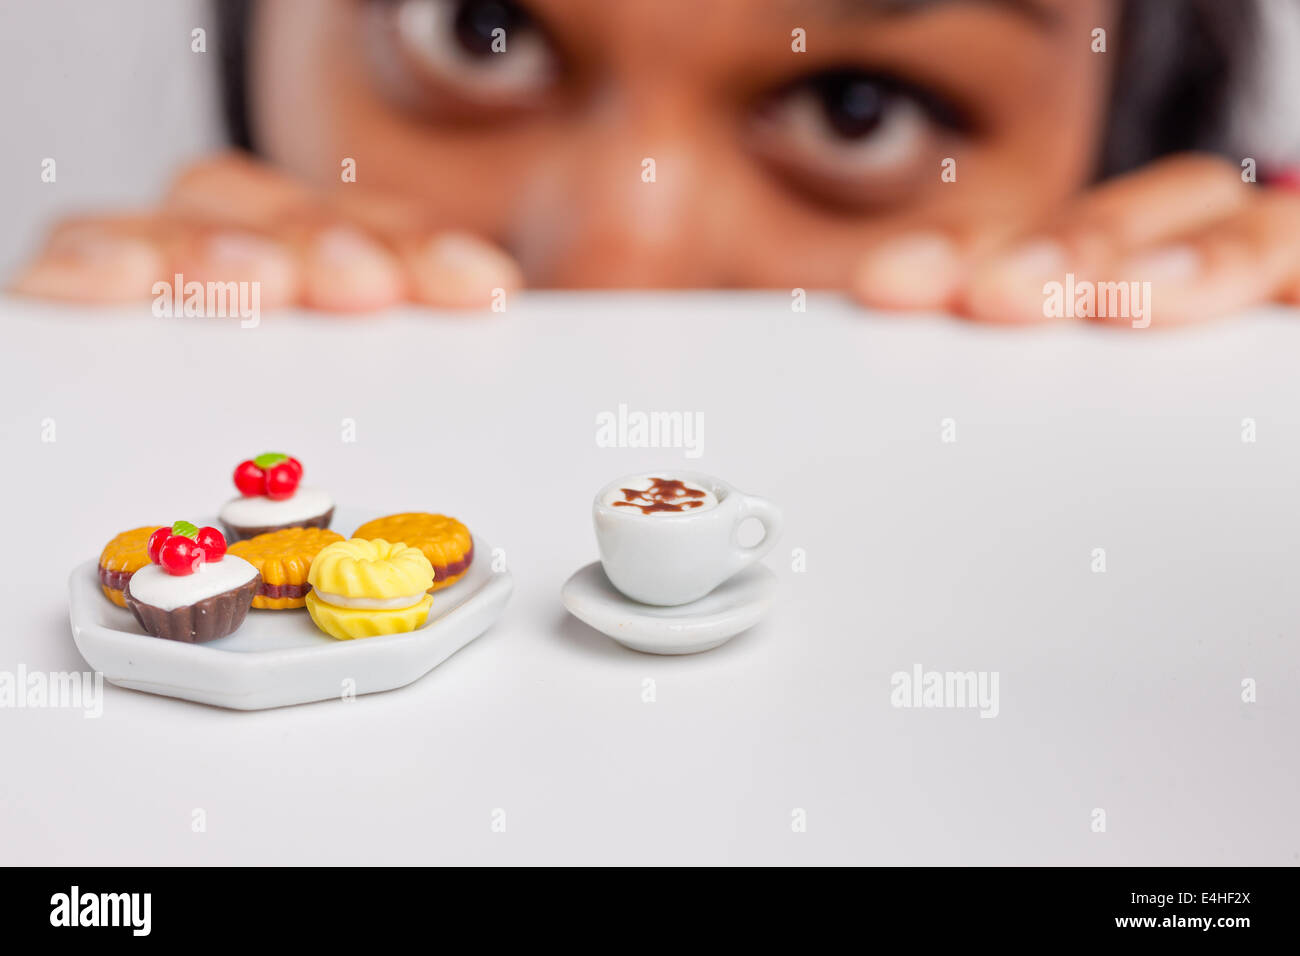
(459, 270)
(1166, 286)
(92, 267)
(919, 271)
(344, 270)
(1013, 289)
(227, 256)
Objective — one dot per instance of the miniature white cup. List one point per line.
(675, 558)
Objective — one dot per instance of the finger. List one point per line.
(342, 267)
(443, 268)
(931, 269)
(201, 252)
(320, 263)
(119, 259)
(454, 270)
(1168, 198)
(922, 269)
(98, 260)
(1247, 258)
(235, 189)
(360, 248)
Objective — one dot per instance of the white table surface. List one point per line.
(1119, 691)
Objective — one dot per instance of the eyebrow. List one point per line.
(1038, 12)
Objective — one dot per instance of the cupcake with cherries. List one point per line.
(272, 498)
(192, 590)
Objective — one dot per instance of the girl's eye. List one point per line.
(847, 130)
(484, 50)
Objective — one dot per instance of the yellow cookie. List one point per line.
(122, 557)
(348, 623)
(284, 559)
(366, 588)
(444, 541)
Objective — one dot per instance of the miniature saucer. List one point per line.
(734, 606)
(279, 658)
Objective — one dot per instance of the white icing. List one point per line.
(615, 494)
(152, 585)
(259, 511)
(371, 604)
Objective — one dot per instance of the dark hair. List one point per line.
(1180, 64)
(234, 23)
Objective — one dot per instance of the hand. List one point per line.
(234, 219)
(1207, 242)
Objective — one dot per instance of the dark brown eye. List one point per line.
(854, 138)
(487, 50)
(853, 105)
(480, 23)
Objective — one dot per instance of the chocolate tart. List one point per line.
(250, 515)
(243, 533)
(206, 619)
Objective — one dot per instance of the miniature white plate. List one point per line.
(734, 606)
(277, 658)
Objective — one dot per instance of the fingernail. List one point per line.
(1010, 287)
(241, 248)
(229, 256)
(92, 247)
(1034, 260)
(1166, 264)
(342, 246)
(462, 271)
(915, 271)
(348, 271)
(1169, 278)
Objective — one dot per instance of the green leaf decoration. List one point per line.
(185, 530)
(269, 459)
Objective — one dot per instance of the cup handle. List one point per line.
(769, 516)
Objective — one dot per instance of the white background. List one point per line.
(112, 93)
(1119, 691)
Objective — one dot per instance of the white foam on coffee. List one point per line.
(615, 495)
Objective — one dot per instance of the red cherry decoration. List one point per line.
(213, 543)
(180, 556)
(249, 479)
(281, 481)
(156, 541)
(271, 474)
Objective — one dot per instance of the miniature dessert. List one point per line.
(192, 591)
(283, 558)
(669, 540)
(271, 498)
(444, 541)
(122, 557)
(364, 588)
